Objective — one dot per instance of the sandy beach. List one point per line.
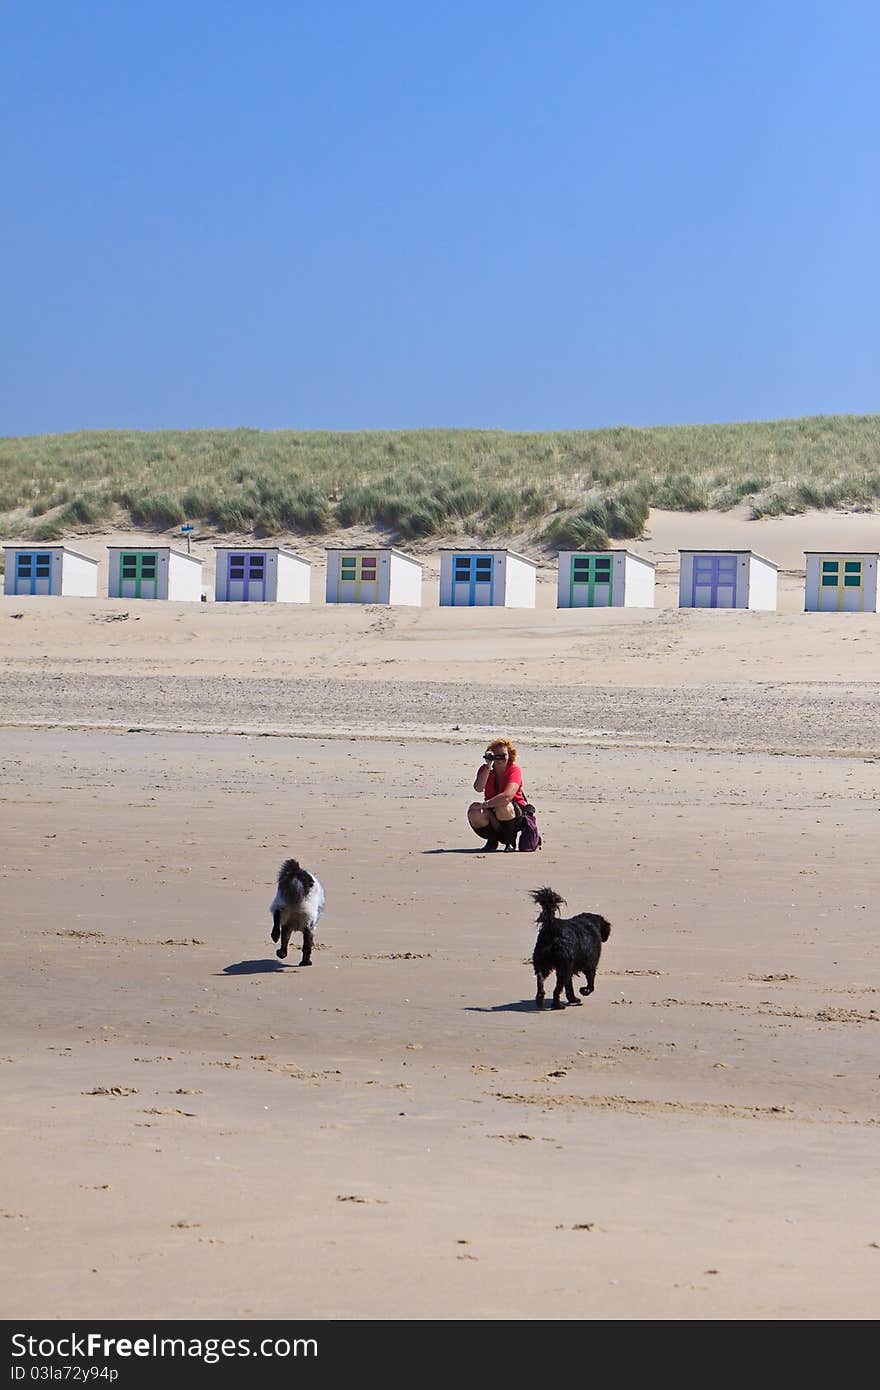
(194, 1130)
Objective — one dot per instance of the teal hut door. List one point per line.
(33, 572)
(472, 581)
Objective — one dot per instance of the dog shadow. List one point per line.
(253, 967)
(518, 1006)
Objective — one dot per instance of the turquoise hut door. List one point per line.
(842, 587)
(33, 572)
(472, 584)
(591, 582)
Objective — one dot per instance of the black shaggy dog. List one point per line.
(569, 945)
(297, 905)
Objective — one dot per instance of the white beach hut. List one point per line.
(487, 578)
(839, 581)
(604, 579)
(153, 571)
(49, 569)
(268, 574)
(726, 579)
(361, 575)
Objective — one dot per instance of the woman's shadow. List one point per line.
(476, 850)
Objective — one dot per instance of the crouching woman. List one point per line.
(498, 818)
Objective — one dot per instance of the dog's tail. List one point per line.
(548, 901)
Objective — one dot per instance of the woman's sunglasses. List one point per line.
(494, 757)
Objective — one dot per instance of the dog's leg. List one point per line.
(539, 997)
(557, 993)
(591, 982)
(281, 953)
(569, 991)
(308, 940)
(276, 924)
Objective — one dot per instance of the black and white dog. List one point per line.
(297, 905)
(569, 945)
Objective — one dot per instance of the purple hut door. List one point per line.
(714, 581)
(247, 578)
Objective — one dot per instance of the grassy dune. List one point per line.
(573, 488)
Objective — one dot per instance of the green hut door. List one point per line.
(138, 574)
(841, 587)
(591, 581)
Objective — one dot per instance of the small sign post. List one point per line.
(187, 530)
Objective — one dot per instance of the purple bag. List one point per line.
(529, 838)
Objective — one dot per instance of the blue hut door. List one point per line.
(714, 581)
(591, 581)
(841, 587)
(33, 572)
(358, 579)
(246, 578)
(473, 585)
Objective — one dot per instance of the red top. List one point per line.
(512, 774)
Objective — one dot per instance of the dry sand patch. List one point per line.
(336, 1139)
(192, 1129)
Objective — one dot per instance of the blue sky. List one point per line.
(504, 215)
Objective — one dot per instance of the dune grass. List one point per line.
(568, 489)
